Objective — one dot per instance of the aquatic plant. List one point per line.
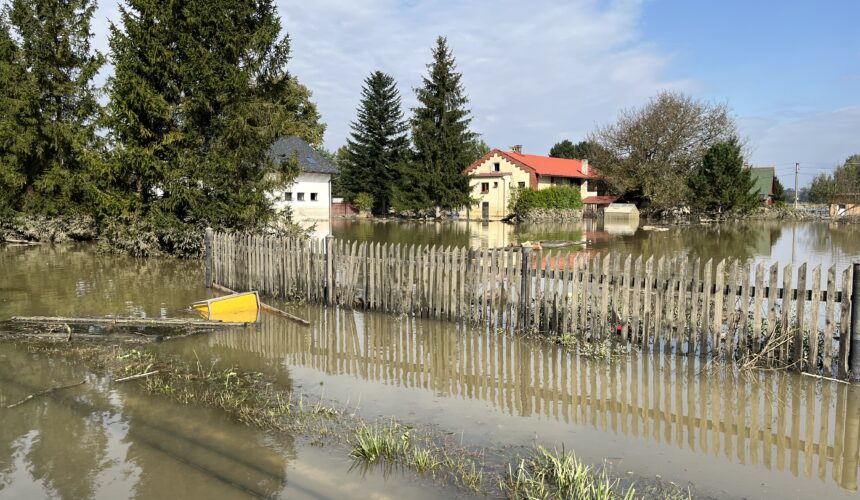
(372, 443)
(559, 475)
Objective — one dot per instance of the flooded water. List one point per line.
(729, 435)
(103, 441)
(751, 241)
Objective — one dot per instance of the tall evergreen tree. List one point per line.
(12, 140)
(377, 144)
(54, 102)
(722, 183)
(199, 96)
(441, 137)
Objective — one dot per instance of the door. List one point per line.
(485, 210)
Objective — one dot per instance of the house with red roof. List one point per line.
(497, 176)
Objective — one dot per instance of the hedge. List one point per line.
(559, 197)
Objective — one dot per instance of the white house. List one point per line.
(309, 196)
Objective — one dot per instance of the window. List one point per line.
(522, 185)
(301, 197)
(495, 185)
(497, 167)
(288, 196)
(313, 196)
(485, 187)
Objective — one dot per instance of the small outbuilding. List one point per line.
(845, 205)
(626, 210)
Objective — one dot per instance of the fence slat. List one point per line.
(786, 311)
(845, 323)
(814, 308)
(719, 296)
(801, 317)
(636, 289)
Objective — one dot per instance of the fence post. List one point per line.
(207, 245)
(525, 288)
(329, 270)
(854, 353)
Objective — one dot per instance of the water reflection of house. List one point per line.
(498, 175)
(621, 218)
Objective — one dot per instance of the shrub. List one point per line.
(558, 197)
(364, 201)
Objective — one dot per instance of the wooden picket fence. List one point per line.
(785, 315)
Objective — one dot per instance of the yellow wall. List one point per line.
(500, 188)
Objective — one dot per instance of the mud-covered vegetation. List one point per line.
(254, 399)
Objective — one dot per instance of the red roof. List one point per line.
(557, 167)
(539, 165)
(599, 200)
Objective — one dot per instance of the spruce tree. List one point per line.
(441, 137)
(12, 139)
(722, 183)
(377, 144)
(49, 164)
(200, 94)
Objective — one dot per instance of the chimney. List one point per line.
(584, 166)
(517, 148)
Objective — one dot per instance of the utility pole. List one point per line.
(796, 171)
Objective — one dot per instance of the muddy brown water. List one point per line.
(751, 241)
(762, 435)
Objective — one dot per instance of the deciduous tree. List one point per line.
(650, 152)
(843, 182)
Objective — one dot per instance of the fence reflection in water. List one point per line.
(783, 421)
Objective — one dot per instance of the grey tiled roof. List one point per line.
(309, 159)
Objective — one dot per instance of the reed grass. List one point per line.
(557, 475)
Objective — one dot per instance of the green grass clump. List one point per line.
(372, 443)
(559, 475)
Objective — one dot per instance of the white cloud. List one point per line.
(819, 141)
(535, 72)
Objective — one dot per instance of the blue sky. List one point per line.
(543, 70)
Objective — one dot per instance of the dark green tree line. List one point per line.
(842, 184)
(581, 150)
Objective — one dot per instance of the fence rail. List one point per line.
(789, 315)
